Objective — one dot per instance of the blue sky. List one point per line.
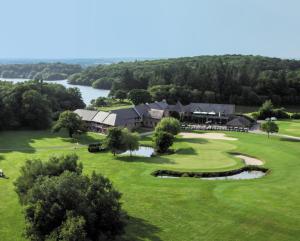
(148, 28)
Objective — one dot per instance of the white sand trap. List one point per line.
(213, 136)
(250, 160)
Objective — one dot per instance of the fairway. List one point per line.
(183, 209)
(289, 127)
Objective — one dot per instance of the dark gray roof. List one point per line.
(128, 112)
(162, 105)
(207, 107)
(178, 107)
(86, 115)
(125, 116)
(239, 121)
(141, 109)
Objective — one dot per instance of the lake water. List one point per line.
(88, 93)
(142, 151)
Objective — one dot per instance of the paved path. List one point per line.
(147, 133)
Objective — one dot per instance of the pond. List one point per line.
(87, 92)
(142, 151)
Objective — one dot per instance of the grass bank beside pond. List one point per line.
(184, 209)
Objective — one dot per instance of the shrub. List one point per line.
(169, 124)
(280, 113)
(96, 147)
(295, 115)
(267, 111)
(162, 141)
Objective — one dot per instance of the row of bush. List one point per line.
(267, 110)
(280, 113)
(207, 174)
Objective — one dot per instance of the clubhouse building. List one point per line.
(149, 114)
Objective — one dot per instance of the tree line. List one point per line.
(45, 71)
(34, 104)
(238, 79)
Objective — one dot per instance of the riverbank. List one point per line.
(88, 93)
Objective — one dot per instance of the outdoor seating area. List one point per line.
(213, 127)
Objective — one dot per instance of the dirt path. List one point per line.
(209, 135)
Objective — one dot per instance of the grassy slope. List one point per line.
(289, 127)
(179, 209)
(115, 105)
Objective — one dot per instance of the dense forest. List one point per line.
(45, 71)
(244, 80)
(34, 104)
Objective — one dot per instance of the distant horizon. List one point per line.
(143, 57)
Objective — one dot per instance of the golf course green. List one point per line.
(183, 209)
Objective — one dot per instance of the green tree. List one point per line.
(35, 168)
(139, 96)
(70, 121)
(35, 110)
(73, 207)
(114, 140)
(269, 127)
(120, 94)
(103, 83)
(130, 140)
(162, 141)
(266, 110)
(100, 102)
(169, 124)
(72, 229)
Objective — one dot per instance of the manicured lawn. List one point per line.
(289, 127)
(184, 209)
(116, 105)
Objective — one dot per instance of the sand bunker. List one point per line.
(213, 136)
(250, 160)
